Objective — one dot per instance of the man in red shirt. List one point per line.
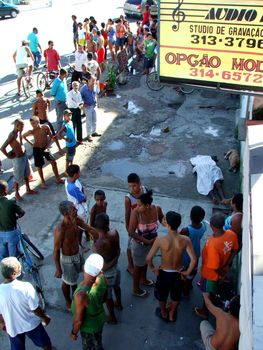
(217, 256)
(52, 57)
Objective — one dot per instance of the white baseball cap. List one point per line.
(93, 265)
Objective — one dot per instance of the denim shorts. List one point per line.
(9, 243)
(38, 336)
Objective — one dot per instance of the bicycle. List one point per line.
(27, 82)
(45, 80)
(28, 267)
(153, 83)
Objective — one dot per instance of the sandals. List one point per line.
(149, 284)
(143, 294)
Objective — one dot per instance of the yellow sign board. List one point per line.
(212, 42)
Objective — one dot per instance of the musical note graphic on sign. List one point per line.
(178, 16)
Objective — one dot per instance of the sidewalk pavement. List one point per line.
(138, 327)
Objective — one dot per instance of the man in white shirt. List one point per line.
(22, 60)
(80, 59)
(20, 314)
(75, 104)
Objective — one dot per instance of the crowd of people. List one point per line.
(180, 252)
(73, 236)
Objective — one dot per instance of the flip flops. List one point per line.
(159, 315)
(143, 294)
(149, 284)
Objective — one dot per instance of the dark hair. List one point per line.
(234, 306)
(132, 177)
(102, 25)
(110, 20)
(146, 198)
(86, 20)
(118, 20)
(34, 28)
(98, 32)
(218, 220)
(102, 222)
(39, 91)
(72, 170)
(79, 23)
(3, 187)
(50, 42)
(89, 55)
(173, 219)
(237, 199)
(64, 207)
(99, 193)
(62, 71)
(197, 214)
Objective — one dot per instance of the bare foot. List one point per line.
(44, 186)
(215, 200)
(19, 198)
(112, 320)
(118, 306)
(60, 182)
(31, 192)
(62, 153)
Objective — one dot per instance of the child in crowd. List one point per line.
(195, 232)
(100, 206)
(76, 195)
(69, 137)
(136, 189)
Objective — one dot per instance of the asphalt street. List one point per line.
(132, 123)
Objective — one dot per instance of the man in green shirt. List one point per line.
(9, 213)
(87, 305)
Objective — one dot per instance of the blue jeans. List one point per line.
(60, 107)
(9, 243)
(37, 57)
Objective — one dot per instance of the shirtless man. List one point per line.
(68, 259)
(170, 273)
(42, 139)
(19, 158)
(226, 335)
(108, 246)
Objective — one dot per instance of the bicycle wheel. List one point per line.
(41, 81)
(38, 287)
(26, 87)
(187, 90)
(32, 248)
(153, 82)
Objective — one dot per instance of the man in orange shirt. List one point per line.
(217, 255)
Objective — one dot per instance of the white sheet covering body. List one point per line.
(207, 173)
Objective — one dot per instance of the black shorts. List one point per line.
(39, 156)
(168, 283)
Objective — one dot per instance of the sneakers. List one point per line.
(95, 134)
(89, 139)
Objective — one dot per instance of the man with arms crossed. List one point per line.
(19, 158)
(170, 273)
(68, 259)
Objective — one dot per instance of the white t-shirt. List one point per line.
(80, 59)
(92, 67)
(18, 300)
